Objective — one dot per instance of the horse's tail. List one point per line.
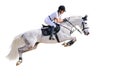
(17, 42)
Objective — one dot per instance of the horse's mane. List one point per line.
(73, 17)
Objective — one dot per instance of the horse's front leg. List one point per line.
(71, 42)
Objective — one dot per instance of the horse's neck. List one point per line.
(76, 20)
(66, 25)
(66, 29)
(73, 21)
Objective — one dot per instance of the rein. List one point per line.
(74, 26)
(67, 29)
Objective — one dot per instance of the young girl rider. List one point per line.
(54, 18)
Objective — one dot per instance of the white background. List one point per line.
(93, 57)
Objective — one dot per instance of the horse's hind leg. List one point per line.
(23, 49)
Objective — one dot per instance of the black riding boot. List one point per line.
(51, 34)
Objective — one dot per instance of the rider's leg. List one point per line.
(53, 25)
(51, 33)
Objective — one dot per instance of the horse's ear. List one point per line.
(85, 17)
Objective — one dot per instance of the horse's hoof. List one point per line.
(65, 44)
(18, 63)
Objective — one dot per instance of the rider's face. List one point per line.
(61, 12)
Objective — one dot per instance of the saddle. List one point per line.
(46, 30)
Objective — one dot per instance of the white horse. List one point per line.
(29, 40)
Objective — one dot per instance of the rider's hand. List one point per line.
(64, 20)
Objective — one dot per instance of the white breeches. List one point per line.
(49, 22)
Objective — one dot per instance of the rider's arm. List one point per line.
(58, 20)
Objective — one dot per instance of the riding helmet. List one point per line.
(61, 7)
